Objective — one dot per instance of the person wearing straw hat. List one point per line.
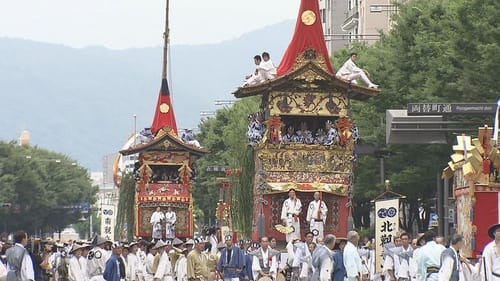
(148, 262)
(231, 261)
(491, 255)
(316, 216)
(98, 257)
(113, 271)
(76, 269)
(197, 269)
(180, 268)
(135, 264)
(164, 269)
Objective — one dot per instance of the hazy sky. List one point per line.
(120, 24)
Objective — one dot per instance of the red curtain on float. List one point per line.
(164, 114)
(485, 215)
(305, 37)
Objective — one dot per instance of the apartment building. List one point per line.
(347, 21)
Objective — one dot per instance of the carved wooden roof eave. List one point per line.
(292, 81)
(164, 135)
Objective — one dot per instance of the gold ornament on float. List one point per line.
(164, 108)
(308, 17)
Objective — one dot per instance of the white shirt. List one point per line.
(157, 217)
(312, 211)
(76, 271)
(265, 259)
(447, 266)
(181, 268)
(170, 217)
(27, 272)
(164, 267)
(136, 266)
(349, 67)
(492, 260)
(291, 207)
(352, 260)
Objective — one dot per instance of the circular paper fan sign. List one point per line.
(284, 229)
(315, 232)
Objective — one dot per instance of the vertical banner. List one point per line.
(386, 227)
(108, 219)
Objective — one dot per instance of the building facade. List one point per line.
(348, 21)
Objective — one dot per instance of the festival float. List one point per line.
(305, 92)
(475, 169)
(164, 169)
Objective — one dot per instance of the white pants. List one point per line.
(296, 226)
(316, 227)
(353, 76)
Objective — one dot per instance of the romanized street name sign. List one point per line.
(450, 108)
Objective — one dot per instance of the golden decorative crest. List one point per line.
(310, 55)
(308, 17)
(164, 108)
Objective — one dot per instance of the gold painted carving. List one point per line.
(317, 104)
(307, 158)
(307, 56)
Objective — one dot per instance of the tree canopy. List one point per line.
(44, 190)
(437, 51)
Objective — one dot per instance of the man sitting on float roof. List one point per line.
(266, 68)
(350, 71)
(255, 77)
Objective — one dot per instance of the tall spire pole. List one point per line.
(165, 43)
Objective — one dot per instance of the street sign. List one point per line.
(450, 108)
(433, 220)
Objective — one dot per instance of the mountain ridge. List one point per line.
(81, 101)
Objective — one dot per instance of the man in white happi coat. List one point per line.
(302, 256)
(156, 218)
(266, 68)
(290, 215)
(316, 216)
(135, 264)
(264, 262)
(170, 219)
(352, 260)
(97, 258)
(491, 256)
(256, 76)
(429, 258)
(397, 260)
(350, 72)
(76, 270)
(164, 270)
(322, 259)
(181, 266)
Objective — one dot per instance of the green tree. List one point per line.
(438, 51)
(44, 189)
(225, 137)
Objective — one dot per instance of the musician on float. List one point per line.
(156, 219)
(170, 219)
(290, 215)
(316, 216)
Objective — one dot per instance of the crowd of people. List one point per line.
(328, 258)
(327, 135)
